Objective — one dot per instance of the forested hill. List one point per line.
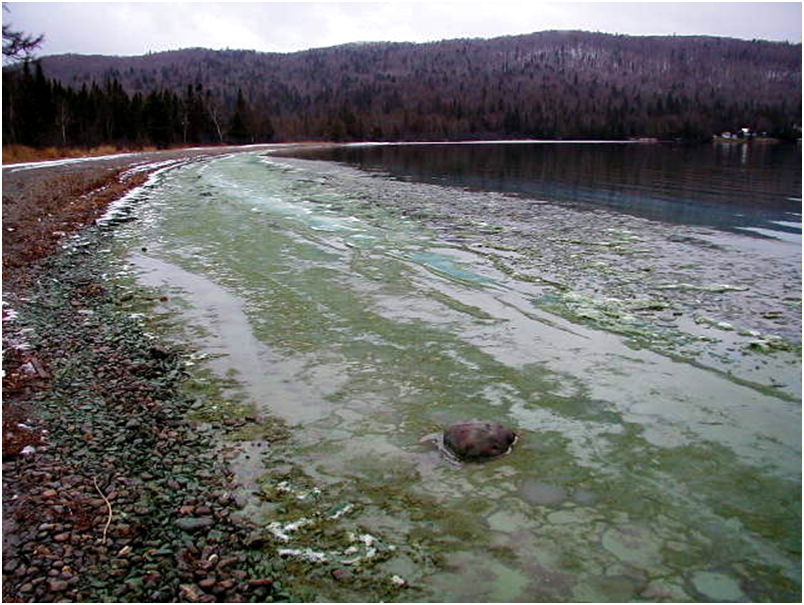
(543, 85)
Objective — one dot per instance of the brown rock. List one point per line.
(189, 592)
(207, 582)
(341, 574)
(58, 585)
(10, 565)
(228, 561)
(192, 524)
(478, 439)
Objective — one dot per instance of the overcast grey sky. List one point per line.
(132, 28)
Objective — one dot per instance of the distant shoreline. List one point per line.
(738, 141)
(503, 142)
(72, 156)
(48, 158)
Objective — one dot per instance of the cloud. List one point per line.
(136, 28)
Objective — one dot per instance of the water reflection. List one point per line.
(730, 187)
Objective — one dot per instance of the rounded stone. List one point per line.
(478, 439)
(540, 492)
(717, 586)
(58, 585)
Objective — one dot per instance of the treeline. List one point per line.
(40, 112)
(570, 85)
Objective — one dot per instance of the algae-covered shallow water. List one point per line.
(652, 371)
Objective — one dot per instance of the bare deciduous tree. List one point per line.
(18, 45)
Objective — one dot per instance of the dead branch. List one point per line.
(108, 505)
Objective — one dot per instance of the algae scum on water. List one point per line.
(348, 315)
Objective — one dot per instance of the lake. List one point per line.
(736, 187)
(632, 311)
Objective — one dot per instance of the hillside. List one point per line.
(545, 85)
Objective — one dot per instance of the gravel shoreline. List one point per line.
(109, 492)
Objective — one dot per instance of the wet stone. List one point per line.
(634, 545)
(190, 593)
(584, 496)
(478, 439)
(207, 582)
(342, 575)
(192, 524)
(664, 590)
(58, 585)
(717, 586)
(540, 492)
(10, 565)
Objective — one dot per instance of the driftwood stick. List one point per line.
(108, 505)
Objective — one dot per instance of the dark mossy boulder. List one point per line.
(478, 439)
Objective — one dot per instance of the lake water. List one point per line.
(651, 367)
(736, 187)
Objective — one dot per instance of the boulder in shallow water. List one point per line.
(478, 439)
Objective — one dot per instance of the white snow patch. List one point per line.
(307, 554)
(784, 236)
(341, 512)
(282, 532)
(65, 161)
(118, 206)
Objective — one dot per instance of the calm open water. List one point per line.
(728, 186)
(651, 367)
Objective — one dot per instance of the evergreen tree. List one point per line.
(135, 125)
(239, 131)
(158, 119)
